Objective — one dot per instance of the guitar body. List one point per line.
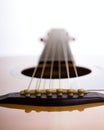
(17, 117)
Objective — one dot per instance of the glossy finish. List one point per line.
(83, 117)
(17, 117)
(54, 100)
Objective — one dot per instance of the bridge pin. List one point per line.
(49, 92)
(81, 92)
(22, 92)
(37, 92)
(70, 92)
(27, 93)
(59, 92)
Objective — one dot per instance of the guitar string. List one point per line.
(43, 69)
(67, 68)
(52, 63)
(33, 75)
(34, 72)
(66, 60)
(75, 70)
(59, 66)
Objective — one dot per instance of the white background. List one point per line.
(23, 22)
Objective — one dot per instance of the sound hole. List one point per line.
(55, 75)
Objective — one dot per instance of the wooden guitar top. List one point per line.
(15, 117)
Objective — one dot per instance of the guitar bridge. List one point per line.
(52, 98)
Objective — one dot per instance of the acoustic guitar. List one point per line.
(53, 93)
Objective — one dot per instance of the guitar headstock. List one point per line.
(57, 34)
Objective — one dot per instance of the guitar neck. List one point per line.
(57, 51)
